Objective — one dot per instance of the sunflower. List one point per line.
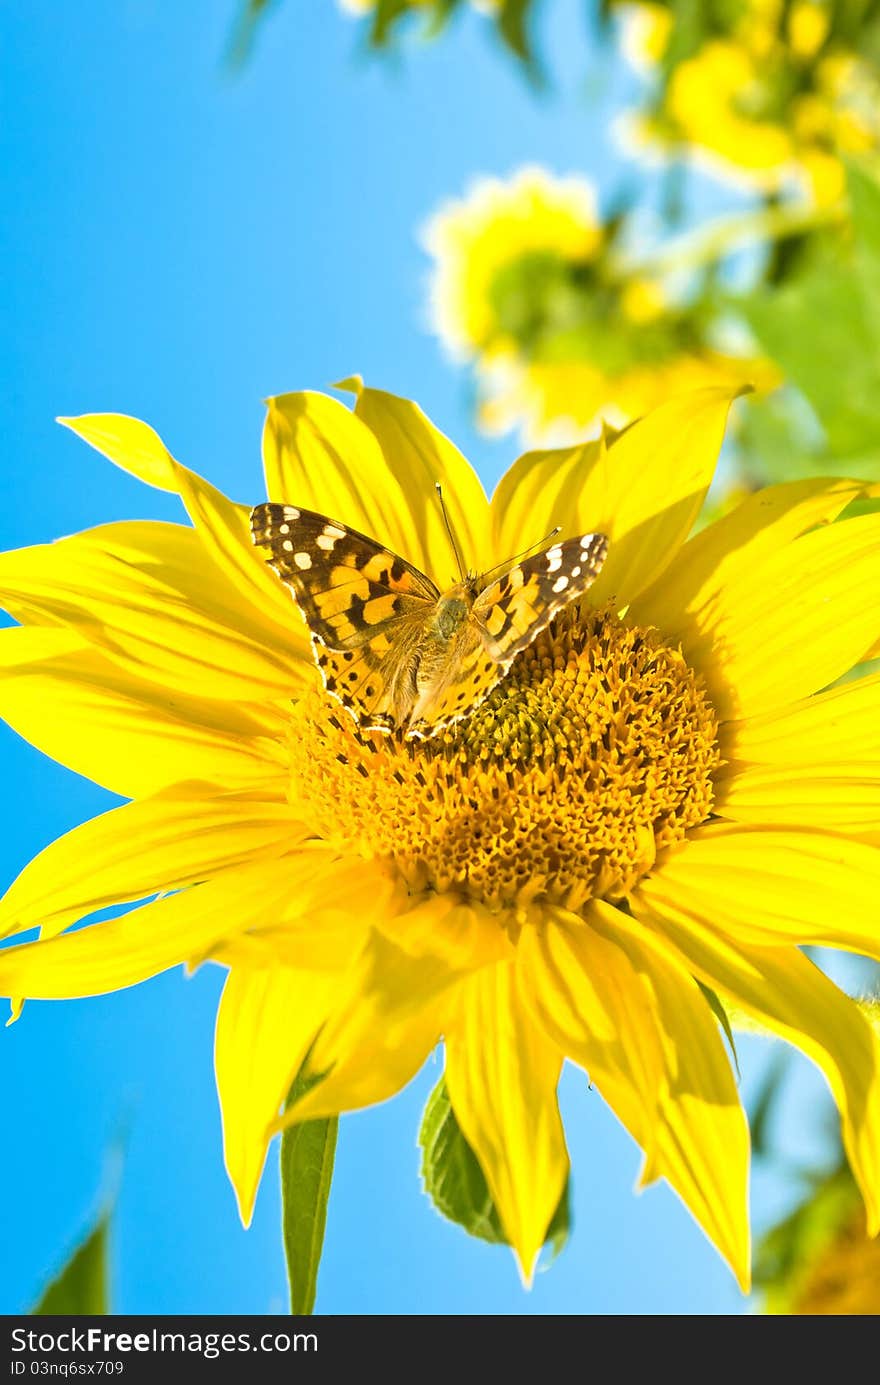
(667, 794)
(773, 95)
(819, 1261)
(754, 114)
(508, 243)
(645, 31)
(844, 1280)
(527, 284)
(558, 401)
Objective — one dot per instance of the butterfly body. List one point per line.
(397, 652)
(452, 612)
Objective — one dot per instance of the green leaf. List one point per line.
(454, 1181)
(513, 27)
(252, 14)
(559, 1229)
(864, 196)
(691, 26)
(307, 1154)
(386, 15)
(823, 327)
(81, 1287)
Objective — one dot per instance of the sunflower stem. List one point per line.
(709, 244)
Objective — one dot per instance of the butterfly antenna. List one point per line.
(449, 530)
(508, 562)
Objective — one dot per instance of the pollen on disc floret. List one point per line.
(595, 752)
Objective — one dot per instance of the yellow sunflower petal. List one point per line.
(502, 1073)
(420, 456)
(586, 994)
(763, 523)
(634, 1018)
(785, 992)
(149, 596)
(323, 914)
(223, 527)
(644, 490)
(266, 1022)
(318, 454)
(543, 489)
(463, 935)
(131, 736)
(843, 796)
(838, 725)
(160, 843)
(121, 952)
(389, 1017)
(793, 622)
(778, 886)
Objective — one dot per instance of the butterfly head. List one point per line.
(454, 608)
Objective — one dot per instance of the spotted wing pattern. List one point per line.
(505, 618)
(346, 585)
(375, 619)
(366, 608)
(516, 607)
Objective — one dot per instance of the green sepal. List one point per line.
(455, 1183)
(308, 1152)
(723, 1019)
(81, 1287)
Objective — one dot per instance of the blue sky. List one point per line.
(179, 241)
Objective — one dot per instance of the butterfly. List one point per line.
(397, 652)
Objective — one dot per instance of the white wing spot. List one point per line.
(333, 532)
(554, 558)
(560, 584)
(287, 545)
(302, 560)
(290, 512)
(575, 572)
(284, 528)
(326, 541)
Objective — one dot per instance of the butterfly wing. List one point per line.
(467, 675)
(505, 618)
(347, 586)
(516, 607)
(376, 682)
(366, 608)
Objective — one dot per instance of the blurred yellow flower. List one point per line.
(844, 1280)
(554, 402)
(526, 285)
(774, 95)
(715, 101)
(659, 798)
(808, 26)
(505, 244)
(645, 32)
(820, 1261)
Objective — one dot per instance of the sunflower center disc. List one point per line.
(596, 752)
